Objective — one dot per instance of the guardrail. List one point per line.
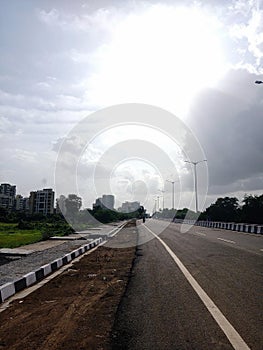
(232, 226)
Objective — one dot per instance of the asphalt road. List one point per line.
(163, 310)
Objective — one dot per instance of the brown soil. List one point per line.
(75, 310)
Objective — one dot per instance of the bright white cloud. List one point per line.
(82, 58)
(161, 55)
(100, 19)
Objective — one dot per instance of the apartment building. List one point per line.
(42, 201)
(105, 202)
(7, 196)
(129, 207)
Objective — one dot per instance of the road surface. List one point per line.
(196, 290)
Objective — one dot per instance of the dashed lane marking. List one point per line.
(233, 336)
(226, 240)
(200, 233)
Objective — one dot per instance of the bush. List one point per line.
(24, 225)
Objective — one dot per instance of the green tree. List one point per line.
(73, 204)
(252, 209)
(224, 209)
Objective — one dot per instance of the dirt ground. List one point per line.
(75, 310)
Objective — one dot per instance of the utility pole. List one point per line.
(195, 180)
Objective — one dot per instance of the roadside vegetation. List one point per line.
(20, 228)
(227, 209)
(11, 236)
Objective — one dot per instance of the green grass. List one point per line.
(12, 237)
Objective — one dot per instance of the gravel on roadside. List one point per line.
(76, 309)
(12, 268)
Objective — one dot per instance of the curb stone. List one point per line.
(11, 288)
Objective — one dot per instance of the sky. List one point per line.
(62, 61)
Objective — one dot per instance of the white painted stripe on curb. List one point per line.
(226, 240)
(47, 269)
(30, 278)
(11, 288)
(16, 286)
(233, 336)
(7, 290)
(25, 292)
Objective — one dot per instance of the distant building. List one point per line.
(105, 202)
(42, 201)
(21, 203)
(98, 203)
(129, 207)
(7, 196)
(108, 201)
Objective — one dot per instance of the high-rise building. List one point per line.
(105, 202)
(8, 190)
(7, 196)
(129, 207)
(108, 201)
(21, 203)
(42, 201)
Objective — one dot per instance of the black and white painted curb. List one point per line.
(240, 227)
(11, 288)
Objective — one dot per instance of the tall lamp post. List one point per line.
(172, 182)
(195, 179)
(155, 205)
(158, 203)
(163, 196)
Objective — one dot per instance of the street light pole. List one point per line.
(158, 203)
(172, 182)
(163, 196)
(195, 180)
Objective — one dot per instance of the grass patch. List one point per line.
(12, 237)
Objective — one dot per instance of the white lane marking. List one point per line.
(233, 336)
(226, 240)
(200, 233)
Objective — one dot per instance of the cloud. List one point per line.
(63, 60)
(229, 125)
(246, 30)
(99, 19)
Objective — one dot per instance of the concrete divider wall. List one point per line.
(10, 288)
(247, 228)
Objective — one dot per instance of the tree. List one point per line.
(224, 209)
(73, 204)
(252, 209)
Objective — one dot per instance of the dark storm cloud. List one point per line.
(229, 128)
